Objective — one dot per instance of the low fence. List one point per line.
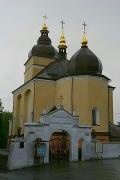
(3, 158)
(109, 150)
(4, 151)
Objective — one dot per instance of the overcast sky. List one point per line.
(21, 20)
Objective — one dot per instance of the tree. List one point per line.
(1, 110)
(1, 106)
(5, 116)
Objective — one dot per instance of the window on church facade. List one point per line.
(95, 117)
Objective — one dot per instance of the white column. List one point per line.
(74, 149)
(86, 148)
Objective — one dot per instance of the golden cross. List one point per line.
(45, 17)
(61, 99)
(84, 25)
(62, 22)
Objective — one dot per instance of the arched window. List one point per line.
(28, 106)
(95, 117)
(18, 110)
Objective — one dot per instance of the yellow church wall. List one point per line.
(45, 93)
(111, 105)
(63, 88)
(88, 92)
(38, 61)
(67, 88)
(15, 112)
(98, 97)
(43, 98)
(85, 92)
(34, 65)
(19, 111)
(32, 72)
(80, 100)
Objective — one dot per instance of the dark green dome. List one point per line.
(84, 61)
(43, 48)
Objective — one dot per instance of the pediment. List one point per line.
(60, 116)
(60, 113)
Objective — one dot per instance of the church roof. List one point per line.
(84, 61)
(43, 48)
(55, 70)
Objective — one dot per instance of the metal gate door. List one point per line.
(59, 147)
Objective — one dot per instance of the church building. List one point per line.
(51, 80)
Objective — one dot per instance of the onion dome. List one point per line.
(58, 68)
(84, 61)
(62, 44)
(43, 48)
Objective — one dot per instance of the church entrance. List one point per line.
(59, 146)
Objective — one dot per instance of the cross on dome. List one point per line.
(45, 17)
(84, 38)
(62, 38)
(62, 22)
(84, 26)
(44, 27)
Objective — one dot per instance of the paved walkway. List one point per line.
(90, 170)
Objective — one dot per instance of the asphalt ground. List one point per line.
(88, 170)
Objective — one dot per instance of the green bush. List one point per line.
(4, 128)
